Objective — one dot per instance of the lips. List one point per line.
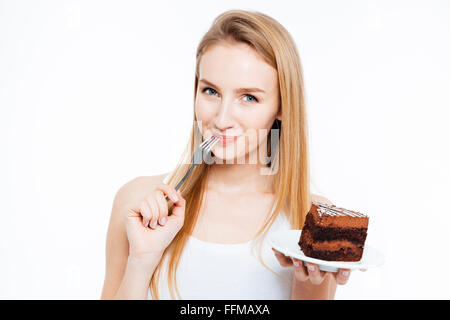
(227, 139)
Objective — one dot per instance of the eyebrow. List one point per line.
(237, 90)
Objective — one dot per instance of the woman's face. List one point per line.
(237, 97)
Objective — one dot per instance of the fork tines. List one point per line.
(207, 145)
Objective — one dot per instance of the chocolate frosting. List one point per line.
(331, 216)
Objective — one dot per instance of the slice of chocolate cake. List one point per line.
(333, 234)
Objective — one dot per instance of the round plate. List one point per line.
(286, 242)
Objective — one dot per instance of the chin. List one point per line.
(231, 156)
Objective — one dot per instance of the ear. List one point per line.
(278, 117)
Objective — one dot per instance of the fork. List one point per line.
(199, 154)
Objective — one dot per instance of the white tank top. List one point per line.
(209, 270)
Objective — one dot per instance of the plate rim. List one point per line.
(333, 264)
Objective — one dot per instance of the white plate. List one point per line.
(287, 243)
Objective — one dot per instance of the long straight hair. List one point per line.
(291, 179)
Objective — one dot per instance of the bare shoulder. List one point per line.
(137, 188)
(117, 243)
(321, 199)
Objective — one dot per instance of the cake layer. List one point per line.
(321, 233)
(340, 250)
(340, 255)
(336, 221)
(356, 236)
(327, 245)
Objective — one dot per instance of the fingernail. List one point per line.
(311, 268)
(163, 220)
(345, 273)
(296, 263)
(174, 197)
(153, 225)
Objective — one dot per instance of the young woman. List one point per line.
(210, 243)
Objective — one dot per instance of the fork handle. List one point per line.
(182, 180)
(185, 176)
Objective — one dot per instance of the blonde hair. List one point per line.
(291, 181)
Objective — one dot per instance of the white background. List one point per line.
(95, 93)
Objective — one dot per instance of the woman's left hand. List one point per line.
(311, 271)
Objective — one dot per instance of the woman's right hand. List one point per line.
(149, 228)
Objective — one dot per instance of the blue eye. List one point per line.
(208, 89)
(249, 95)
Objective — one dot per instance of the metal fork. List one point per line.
(200, 153)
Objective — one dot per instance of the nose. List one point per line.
(224, 118)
